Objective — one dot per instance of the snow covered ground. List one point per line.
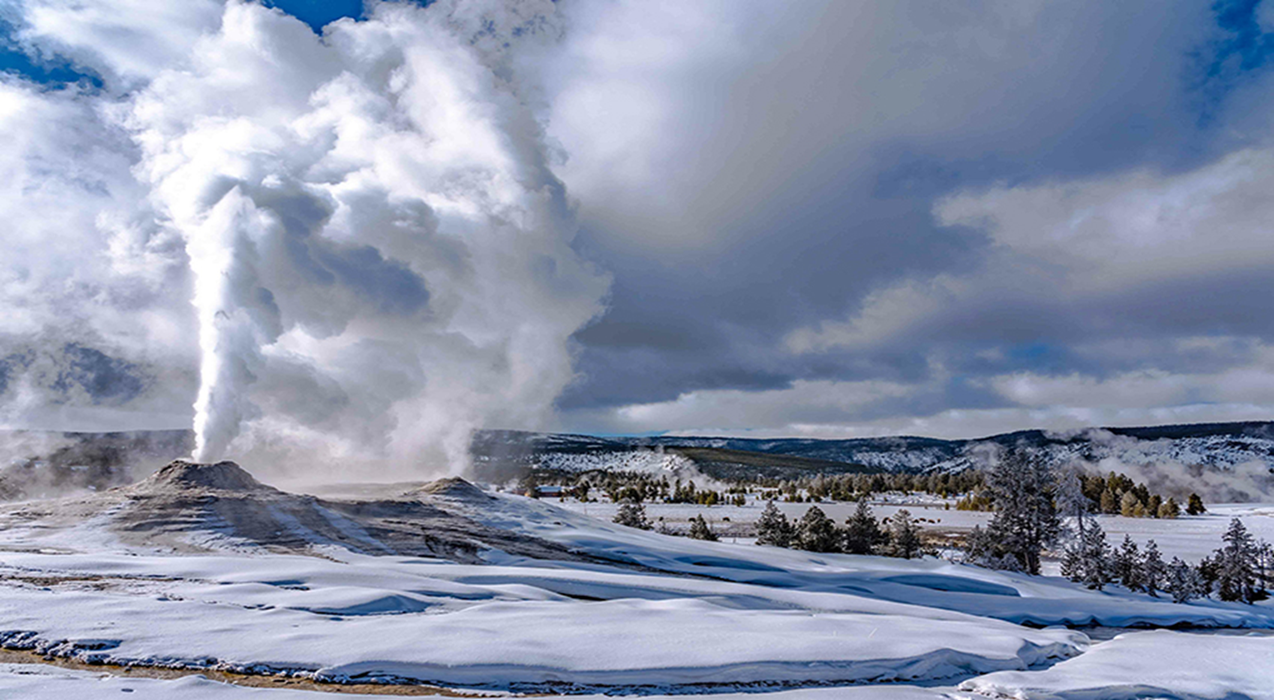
(1188, 537)
(642, 613)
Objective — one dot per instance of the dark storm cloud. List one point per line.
(816, 151)
(818, 217)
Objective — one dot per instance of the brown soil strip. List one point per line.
(9, 656)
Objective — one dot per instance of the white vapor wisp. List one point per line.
(379, 253)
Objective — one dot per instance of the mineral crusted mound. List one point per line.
(453, 488)
(191, 507)
(181, 475)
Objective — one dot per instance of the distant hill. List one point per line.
(37, 464)
(1224, 461)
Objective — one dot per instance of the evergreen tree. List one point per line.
(1128, 565)
(1154, 571)
(1087, 560)
(1169, 508)
(1183, 582)
(1236, 578)
(1072, 566)
(1071, 501)
(773, 528)
(1128, 505)
(699, 529)
(1264, 565)
(1025, 519)
(816, 532)
(904, 536)
(1209, 572)
(632, 514)
(1109, 502)
(1194, 506)
(862, 533)
(979, 548)
(982, 549)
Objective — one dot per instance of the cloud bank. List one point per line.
(358, 242)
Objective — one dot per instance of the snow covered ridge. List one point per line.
(1226, 462)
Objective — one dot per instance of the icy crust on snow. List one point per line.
(1038, 601)
(1159, 664)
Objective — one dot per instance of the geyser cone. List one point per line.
(183, 475)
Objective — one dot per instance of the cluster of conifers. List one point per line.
(1113, 494)
(1242, 569)
(1031, 501)
(898, 536)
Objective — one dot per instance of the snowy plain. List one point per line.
(665, 616)
(1189, 537)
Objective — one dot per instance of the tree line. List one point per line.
(1111, 494)
(1241, 569)
(862, 533)
(636, 486)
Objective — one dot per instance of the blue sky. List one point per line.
(821, 219)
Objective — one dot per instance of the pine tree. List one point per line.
(816, 532)
(773, 528)
(1209, 571)
(1109, 502)
(1236, 578)
(980, 549)
(1025, 519)
(1088, 559)
(632, 514)
(1128, 505)
(862, 533)
(1183, 582)
(1194, 506)
(699, 529)
(1264, 565)
(1169, 508)
(1153, 569)
(1072, 566)
(904, 536)
(1071, 501)
(1128, 565)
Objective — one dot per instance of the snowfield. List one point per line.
(628, 612)
(1159, 664)
(1188, 537)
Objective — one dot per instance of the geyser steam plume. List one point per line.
(380, 251)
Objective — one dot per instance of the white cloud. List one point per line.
(1089, 242)
(126, 41)
(86, 265)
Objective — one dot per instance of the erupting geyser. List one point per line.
(380, 253)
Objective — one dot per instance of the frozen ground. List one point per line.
(627, 612)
